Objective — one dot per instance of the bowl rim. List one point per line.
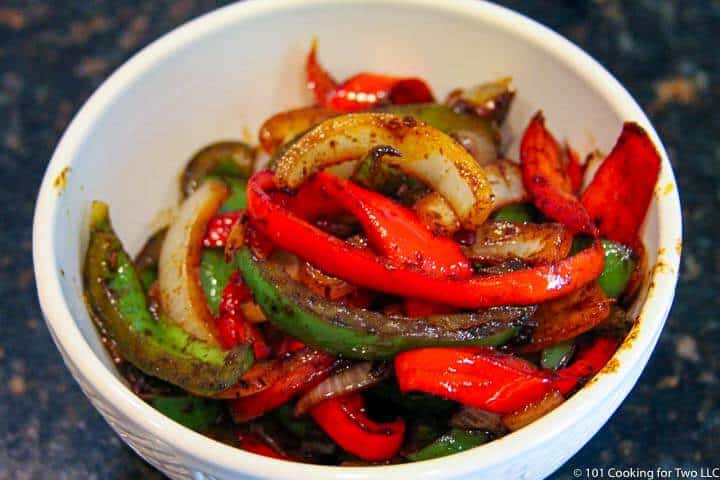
(215, 455)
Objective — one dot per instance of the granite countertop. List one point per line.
(54, 54)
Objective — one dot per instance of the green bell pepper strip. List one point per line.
(516, 213)
(193, 412)
(222, 159)
(351, 332)
(456, 440)
(146, 261)
(237, 200)
(446, 119)
(619, 264)
(214, 276)
(558, 355)
(117, 302)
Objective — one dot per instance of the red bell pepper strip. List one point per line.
(500, 383)
(345, 421)
(574, 169)
(618, 197)
(312, 368)
(288, 345)
(251, 442)
(479, 377)
(218, 229)
(545, 180)
(233, 328)
(587, 363)
(394, 231)
(362, 91)
(359, 267)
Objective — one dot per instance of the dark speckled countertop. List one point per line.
(53, 54)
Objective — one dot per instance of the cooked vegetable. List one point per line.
(427, 154)
(311, 368)
(574, 169)
(528, 414)
(517, 212)
(497, 242)
(353, 379)
(545, 179)
(345, 420)
(193, 412)
(569, 316)
(436, 214)
(118, 303)
(222, 159)
(622, 188)
(181, 295)
(558, 355)
(285, 126)
(456, 440)
(506, 181)
(146, 261)
(471, 418)
(364, 90)
(489, 100)
(362, 268)
(619, 267)
(359, 333)
(214, 275)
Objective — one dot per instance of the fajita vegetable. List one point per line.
(390, 287)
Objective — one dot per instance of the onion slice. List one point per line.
(285, 126)
(498, 242)
(473, 418)
(426, 154)
(181, 295)
(353, 379)
(530, 413)
(505, 178)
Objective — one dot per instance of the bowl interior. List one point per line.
(220, 77)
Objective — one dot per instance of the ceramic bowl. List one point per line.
(218, 77)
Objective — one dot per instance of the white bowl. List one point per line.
(218, 77)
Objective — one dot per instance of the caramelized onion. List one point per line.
(180, 293)
(355, 378)
(471, 418)
(498, 242)
(527, 415)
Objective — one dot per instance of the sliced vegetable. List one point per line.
(232, 325)
(362, 268)
(588, 362)
(181, 295)
(497, 242)
(214, 275)
(478, 377)
(544, 178)
(488, 100)
(193, 412)
(285, 126)
(620, 193)
(558, 355)
(360, 333)
(345, 421)
(574, 169)
(436, 214)
(146, 261)
(118, 303)
(222, 159)
(364, 90)
(353, 379)
(568, 317)
(427, 154)
(253, 443)
(529, 413)
(454, 441)
(471, 418)
(237, 199)
(506, 181)
(313, 367)
(619, 267)
(219, 228)
(393, 230)
(518, 213)
(477, 135)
